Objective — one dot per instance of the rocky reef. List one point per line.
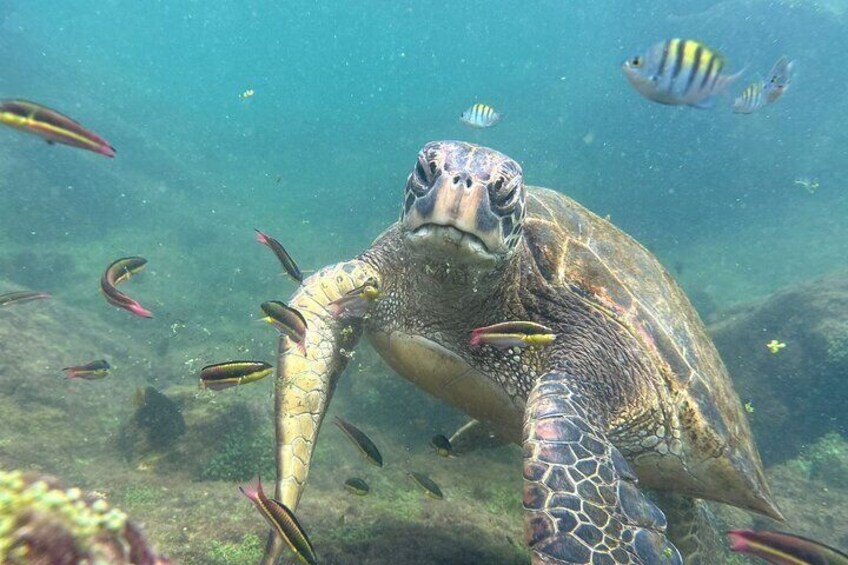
(796, 394)
(176, 467)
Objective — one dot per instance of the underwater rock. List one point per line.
(154, 426)
(796, 394)
(228, 435)
(43, 522)
(828, 460)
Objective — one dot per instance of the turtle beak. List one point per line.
(455, 216)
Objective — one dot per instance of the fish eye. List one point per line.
(636, 62)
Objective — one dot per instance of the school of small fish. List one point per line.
(676, 72)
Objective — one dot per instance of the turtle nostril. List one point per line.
(456, 179)
(467, 183)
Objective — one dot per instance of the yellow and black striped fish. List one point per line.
(679, 72)
(282, 520)
(233, 373)
(481, 116)
(51, 125)
(752, 99)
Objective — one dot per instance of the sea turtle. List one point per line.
(632, 387)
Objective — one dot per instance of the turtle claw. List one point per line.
(583, 505)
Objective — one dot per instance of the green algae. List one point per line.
(22, 503)
(243, 451)
(828, 460)
(246, 552)
(836, 343)
(135, 495)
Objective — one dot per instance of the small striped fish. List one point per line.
(282, 520)
(780, 77)
(784, 549)
(752, 99)
(679, 72)
(762, 93)
(481, 116)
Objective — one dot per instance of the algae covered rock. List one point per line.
(797, 393)
(154, 426)
(827, 460)
(42, 522)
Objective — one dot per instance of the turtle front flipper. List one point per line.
(305, 381)
(582, 503)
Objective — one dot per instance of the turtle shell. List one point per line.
(583, 253)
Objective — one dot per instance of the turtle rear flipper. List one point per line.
(580, 494)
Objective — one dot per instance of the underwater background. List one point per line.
(345, 94)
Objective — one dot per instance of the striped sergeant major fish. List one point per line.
(752, 99)
(679, 72)
(764, 92)
(481, 116)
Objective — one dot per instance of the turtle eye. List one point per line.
(504, 194)
(421, 173)
(420, 179)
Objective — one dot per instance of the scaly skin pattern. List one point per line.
(580, 494)
(421, 298)
(305, 383)
(631, 387)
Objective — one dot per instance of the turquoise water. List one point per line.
(345, 95)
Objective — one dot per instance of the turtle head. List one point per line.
(464, 202)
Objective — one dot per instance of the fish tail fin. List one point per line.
(705, 104)
(261, 237)
(726, 80)
(72, 373)
(253, 489)
(301, 346)
(139, 310)
(738, 542)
